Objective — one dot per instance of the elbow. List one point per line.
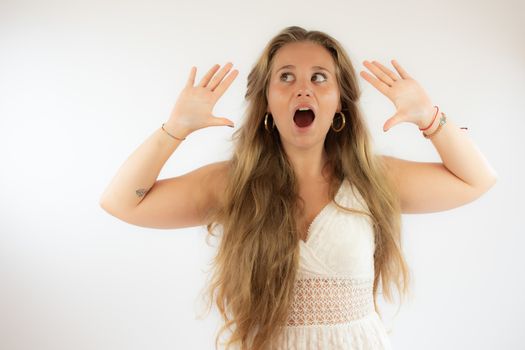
(103, 199)
(493, 181)
(493, 178)
(489, 183)
(102, 202)
(105, 203)
(108, 202)
(486, 180)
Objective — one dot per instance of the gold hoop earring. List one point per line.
(342, 126)
(266, 123)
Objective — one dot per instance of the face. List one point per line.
(310, 79)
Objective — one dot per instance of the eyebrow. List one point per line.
(292, 66)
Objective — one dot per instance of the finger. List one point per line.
(378, 84)
(217, 121)
(379, 73)
(191, 78)
(400, 70)
(392, 121)
(204, 81)
(220, 75)
(387, 71)
(219, 91)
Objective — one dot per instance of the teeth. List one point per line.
(304, 109)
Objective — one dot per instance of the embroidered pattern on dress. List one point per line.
(330, 300)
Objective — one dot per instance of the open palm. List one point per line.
(411, 101)
(194, 106)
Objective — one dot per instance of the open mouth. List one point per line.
(303, 118)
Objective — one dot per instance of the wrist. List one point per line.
(176, 129)
(436, 129)
(433, 127)
(429, 120)
(177, 134)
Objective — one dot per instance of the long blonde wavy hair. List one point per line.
(255, 267)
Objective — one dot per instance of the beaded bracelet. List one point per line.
(442, 121)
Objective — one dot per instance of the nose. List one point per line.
(303, 86)
(304, 92)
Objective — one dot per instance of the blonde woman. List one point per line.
(309, 216)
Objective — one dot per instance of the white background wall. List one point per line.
(84, 83)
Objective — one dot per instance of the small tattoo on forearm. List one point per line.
(141, 192)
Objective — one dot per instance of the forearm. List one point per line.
(460, 155)
(139, 172)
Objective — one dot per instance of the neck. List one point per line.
(308, 163)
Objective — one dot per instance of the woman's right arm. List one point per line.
(137, 197)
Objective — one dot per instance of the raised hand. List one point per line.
(193, 109)
(411, 101)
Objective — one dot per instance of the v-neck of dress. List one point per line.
(318, 216)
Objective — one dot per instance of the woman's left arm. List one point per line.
(459, 153)
(464, 175)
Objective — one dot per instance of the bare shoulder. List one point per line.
(215, 179)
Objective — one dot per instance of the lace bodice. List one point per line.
(333, 306)
(330, 300)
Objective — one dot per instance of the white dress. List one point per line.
(333, 305)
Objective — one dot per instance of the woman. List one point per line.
(310, 217)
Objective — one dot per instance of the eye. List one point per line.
(284, 75)
(321, 74)
(288, 73)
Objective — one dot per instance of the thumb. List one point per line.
(218, 121)
(395, 119)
